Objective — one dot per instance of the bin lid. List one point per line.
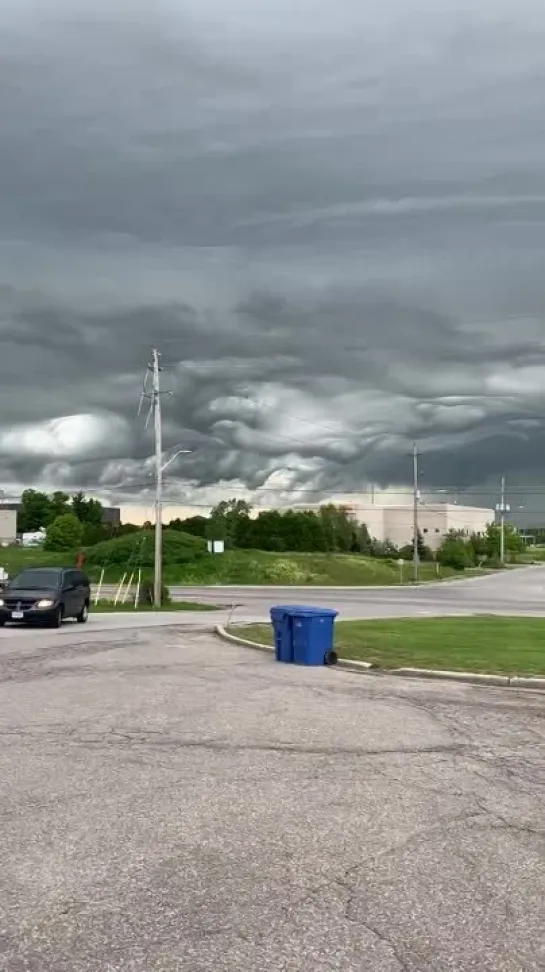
(280, 611)
(303, 611)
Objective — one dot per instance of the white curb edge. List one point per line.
(350, 665)
(221, 631)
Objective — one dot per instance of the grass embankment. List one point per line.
(503, 646)
(187, 561)
(108, 607)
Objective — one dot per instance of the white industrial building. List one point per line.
(8, 526)
(395, 523)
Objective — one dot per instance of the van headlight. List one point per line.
(45, 603)
(2, 602)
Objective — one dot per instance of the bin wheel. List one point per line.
(330, 658)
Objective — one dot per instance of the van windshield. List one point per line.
(35, 580)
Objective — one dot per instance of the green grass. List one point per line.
(532, 555)
(506, 646)
(297, 569)
(186, 561)
(107, 607)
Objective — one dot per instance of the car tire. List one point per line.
(83, 615)
(59, 618)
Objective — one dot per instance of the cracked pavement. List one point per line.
(170, 802)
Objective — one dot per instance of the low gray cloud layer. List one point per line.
(329, 219)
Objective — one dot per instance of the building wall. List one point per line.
(395, 523)
(8, 526)
(471, 519)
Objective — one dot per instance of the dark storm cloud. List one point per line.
(331, 221)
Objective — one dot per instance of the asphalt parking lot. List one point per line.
(170, 802)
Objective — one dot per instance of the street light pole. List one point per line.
(503, 510)
(415, 514)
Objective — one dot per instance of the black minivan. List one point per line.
(46, 595)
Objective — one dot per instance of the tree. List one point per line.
(58, 505)
(34, 511)
(195, 525)
(479, 545)
(64, 533)
(224, 520)
(514, 543)
(87, 510)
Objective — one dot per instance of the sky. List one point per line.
(328, 217)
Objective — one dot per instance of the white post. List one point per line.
(127, 589)
(138, 583)
(119, 588)
(99, 588)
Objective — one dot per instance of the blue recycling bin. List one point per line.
(313, 636)
(304, 635)
(282, 628)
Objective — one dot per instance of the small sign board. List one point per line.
(216, 546)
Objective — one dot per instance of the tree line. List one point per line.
(334, 529)
(77, 521)
(69, 521)
(330, 529)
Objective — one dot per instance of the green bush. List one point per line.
(64, 533)
(456, 552)
(147, 594)
(285, 572)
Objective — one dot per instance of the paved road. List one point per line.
(520, 591)
(170, 803)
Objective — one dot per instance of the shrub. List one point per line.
(64, 533)
(285, 572)
(456, 552)
(147, 595)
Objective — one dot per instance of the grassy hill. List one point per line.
(187, 561)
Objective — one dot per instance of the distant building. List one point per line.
(395, 523)
(8, 525)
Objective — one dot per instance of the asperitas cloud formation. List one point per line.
(328, 217)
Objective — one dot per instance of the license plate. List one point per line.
(17, 615)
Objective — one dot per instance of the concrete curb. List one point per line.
(475, 678)
(351, 665)
(520, 681)
(363, 668)
(236, 640)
